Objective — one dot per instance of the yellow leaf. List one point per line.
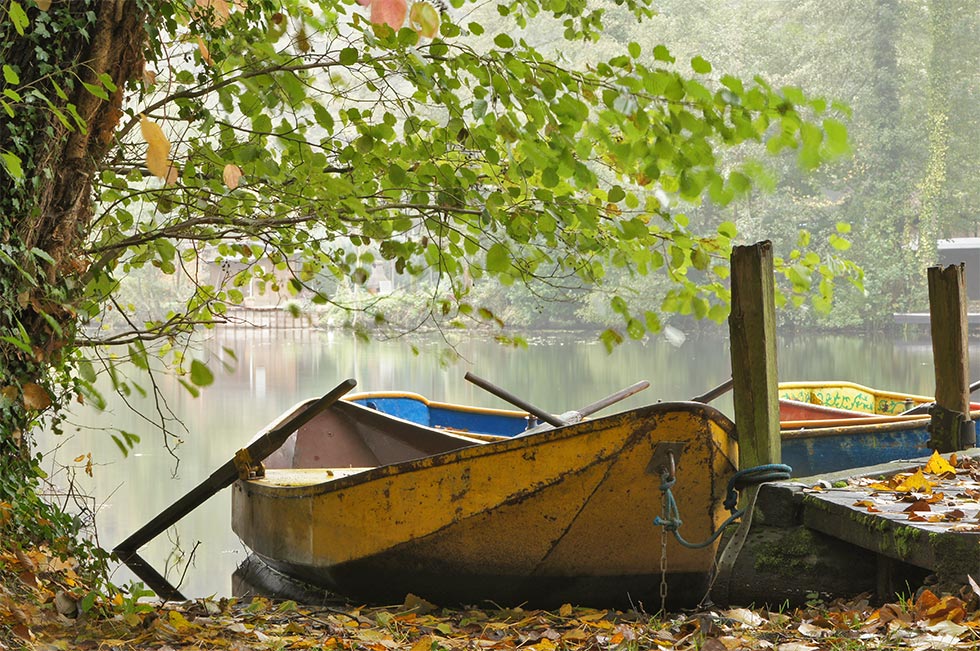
(916, 483)
(43, 5)
(565, 610)
(158, 150)
(232, 174)
(939, 466)
(80, 458)
(424, 19)
(35, 397)
(205, 52)
(424, 643)
(178, 621)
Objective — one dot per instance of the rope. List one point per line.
(671, 520)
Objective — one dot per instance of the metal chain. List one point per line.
(669, 472)
(663, 561)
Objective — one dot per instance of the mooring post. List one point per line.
(752, 325)
(950, 426)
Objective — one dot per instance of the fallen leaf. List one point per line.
(796, 646)
(745, 616)
(811, 630)
(939, 466)
(918, 505)
(867, 504)
(915, 483)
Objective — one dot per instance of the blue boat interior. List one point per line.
(418, 411)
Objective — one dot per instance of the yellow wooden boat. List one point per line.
(374, 508)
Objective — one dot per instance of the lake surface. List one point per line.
(277, 368)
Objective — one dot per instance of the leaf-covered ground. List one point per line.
(40, 607)
(927, 622)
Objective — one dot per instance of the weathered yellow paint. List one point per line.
(576, 501)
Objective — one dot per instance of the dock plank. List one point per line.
(944, 539)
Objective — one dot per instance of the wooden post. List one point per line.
(951, 359)
(752, 324)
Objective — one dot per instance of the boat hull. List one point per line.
(564, 515)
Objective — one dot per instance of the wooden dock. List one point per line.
(841, 534)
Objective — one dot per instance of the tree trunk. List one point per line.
(60, 132)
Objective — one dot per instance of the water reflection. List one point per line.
(276, 369)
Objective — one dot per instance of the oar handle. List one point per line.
(225, 475)
(926, 406)
(514, 400)
(613, 398)
(711, 394)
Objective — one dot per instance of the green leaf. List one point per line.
(503, 41)
(18, 17)
(11, 163)
(348, 56)
(610, 339)
(86, 371)
(498, 258)
(119, 443)
(728, 229)
(700, 66)
(9, 75)
(661, 53)
(616, 194)
(201, 375)
(837, 142)
(96, 90)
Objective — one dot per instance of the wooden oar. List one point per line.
(611, 399)
(711, 394)
(221, 478)
(514, 400)
(926, 406)
(568, 417)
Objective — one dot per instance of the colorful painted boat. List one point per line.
(355, 504)
(831, 426)
(826, 426)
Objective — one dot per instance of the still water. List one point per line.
(278, 368)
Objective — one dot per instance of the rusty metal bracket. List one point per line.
(665, 457)
(247, 468)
